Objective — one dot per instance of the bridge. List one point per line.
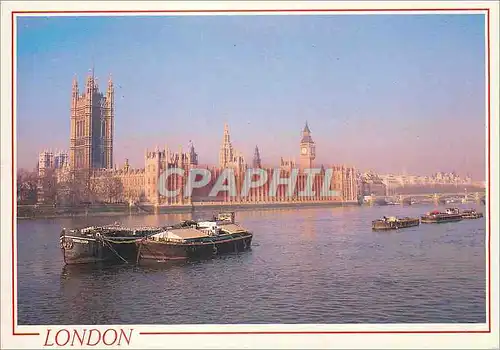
(463, 197)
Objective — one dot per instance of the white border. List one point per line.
(254, 341)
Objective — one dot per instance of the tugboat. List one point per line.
(471, 214)
(98, 244)
(434, 217)
(394, 223)
(191, 240)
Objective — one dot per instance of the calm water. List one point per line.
(320, 265)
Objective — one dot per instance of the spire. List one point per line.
(193, 157)
(256, 152)
(110, 82)
(306, 135)
(75, 87)
(90, 79)
(306, 128)
(110, 91)
(227, 138)
(256, 158)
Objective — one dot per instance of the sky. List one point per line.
(388, 93)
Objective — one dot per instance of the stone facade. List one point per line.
(51, 160)
(119, 185)
(307, 149)
(141, 185)
(287, 164)
(228, 156)
(53, 167)
(91, 127)
(256, 163)
(157, 162)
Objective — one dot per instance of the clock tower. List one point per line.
(307, 149)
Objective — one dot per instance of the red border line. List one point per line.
(13, 15)
(13, 190)
(489, 170)
(255, 10)
(309, 332)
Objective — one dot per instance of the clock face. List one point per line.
(304, 150)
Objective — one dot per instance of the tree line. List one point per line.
(75, 189)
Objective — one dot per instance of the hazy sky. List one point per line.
(391, 93)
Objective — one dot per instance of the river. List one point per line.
(314, 265)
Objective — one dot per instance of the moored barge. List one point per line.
(471, 214)
(193, 240)
(436, 217)
(394, 223)
(99, 244)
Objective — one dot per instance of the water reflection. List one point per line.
(316, 265)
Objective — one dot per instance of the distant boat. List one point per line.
(394, 223)
(471, 214)
(450, 215)
(381, 201)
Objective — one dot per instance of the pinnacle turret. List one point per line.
(256, 158)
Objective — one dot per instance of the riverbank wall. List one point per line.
(44, 211)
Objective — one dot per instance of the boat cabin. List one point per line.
(469, 211)
(209, 227)
(232, 229)
(452, 211)
(178, 235)
(225, 217)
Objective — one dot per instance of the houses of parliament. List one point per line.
(91, 152)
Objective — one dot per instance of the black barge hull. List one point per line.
(472, 216)
(150, 251)
(441, 219)
(85, 250)
(381, 225)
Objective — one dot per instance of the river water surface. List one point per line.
(315, 265)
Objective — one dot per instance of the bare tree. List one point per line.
(115, 189)
(75, 189)
(48, 186)
(132, 195)
(27, 185)
(106, 187)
